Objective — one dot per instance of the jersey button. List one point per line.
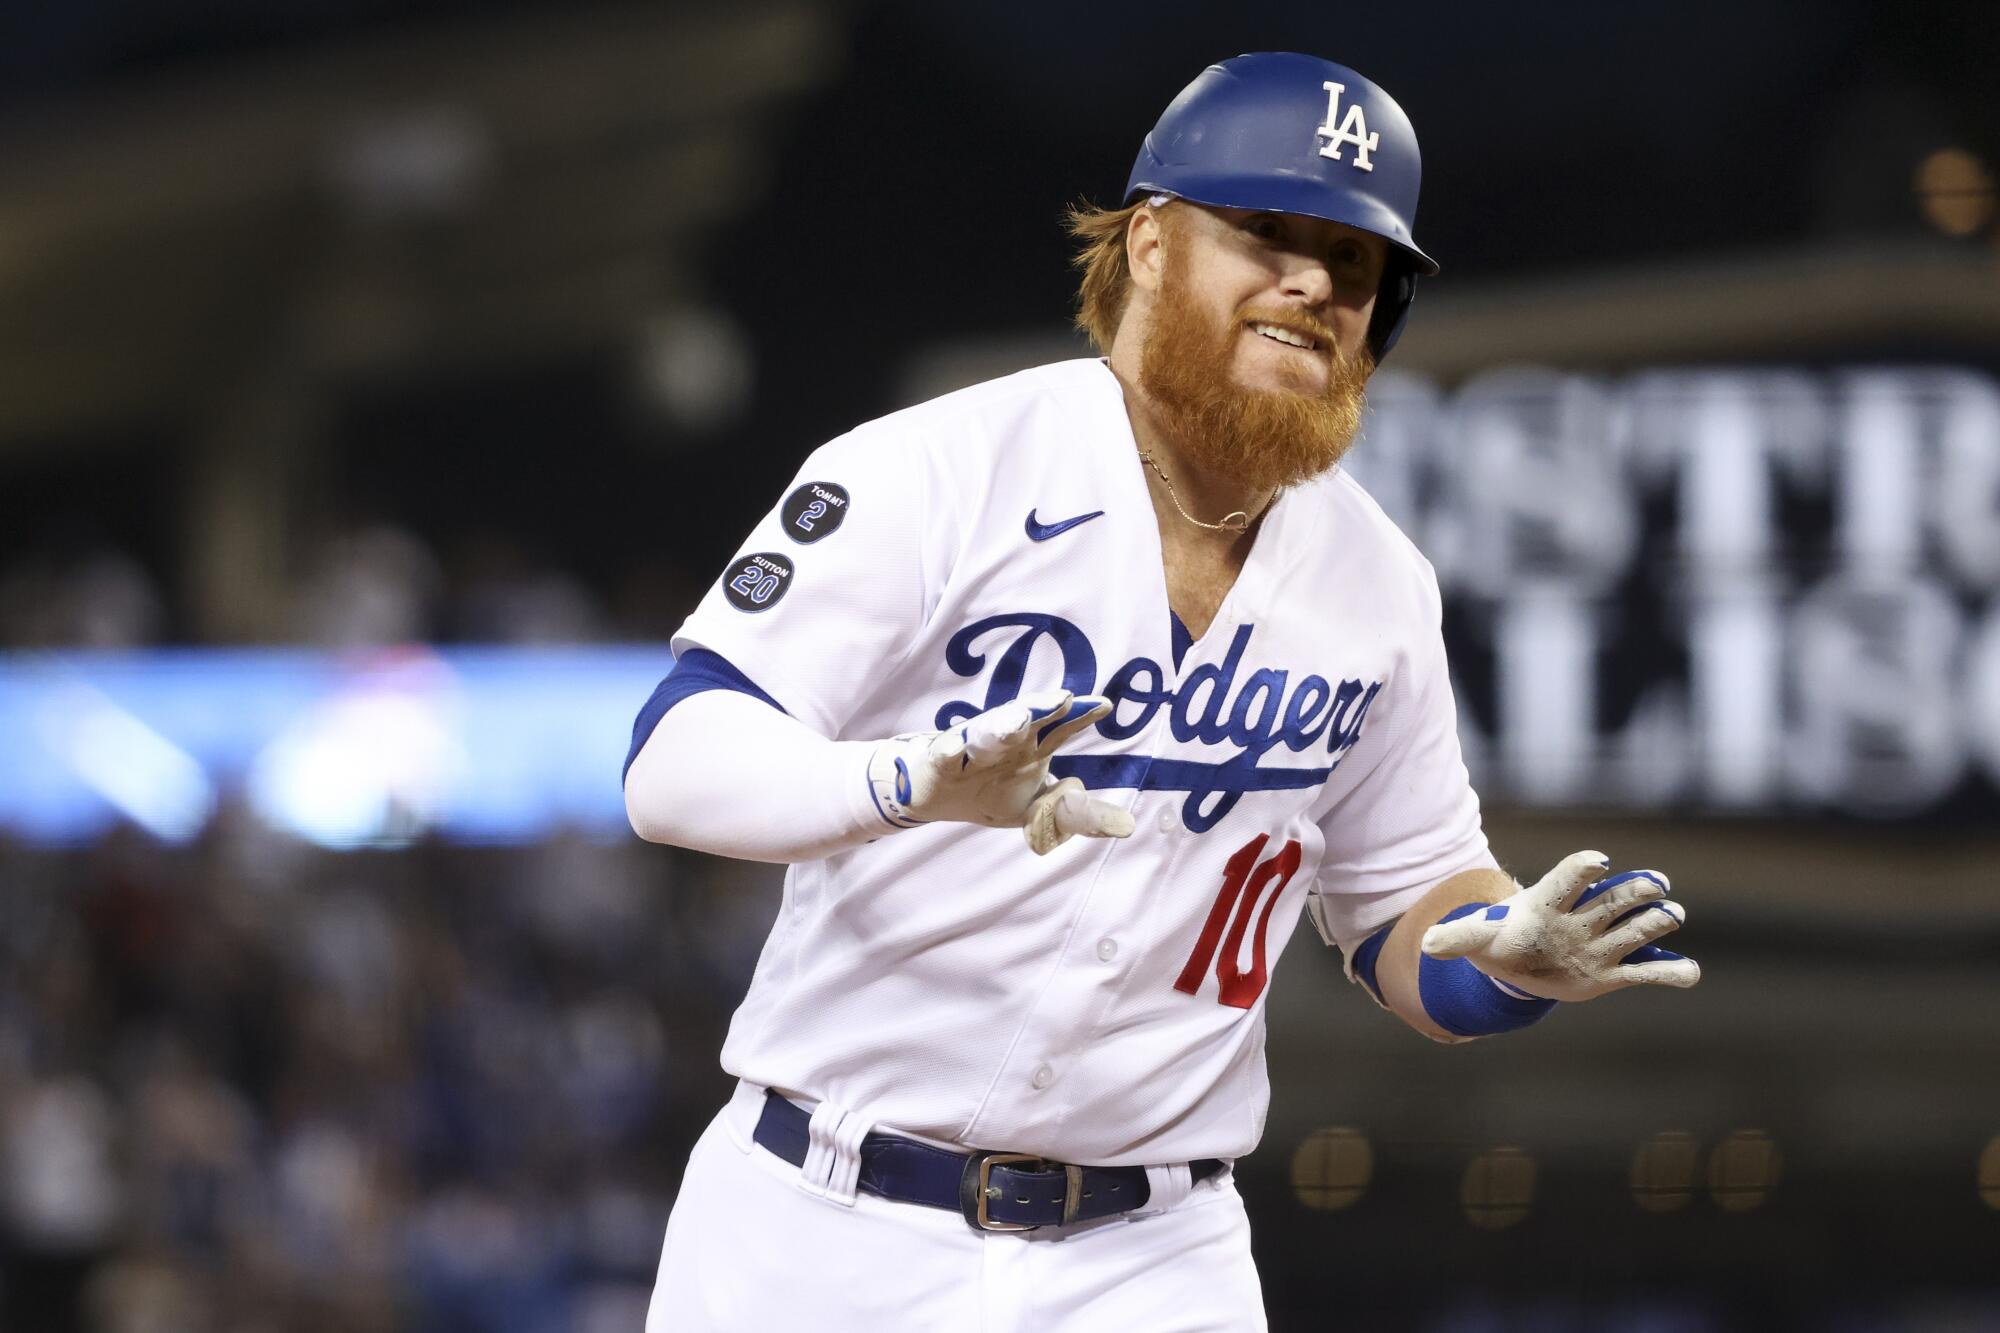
(1107, 949)
(1043, 1077)
(1165, 819)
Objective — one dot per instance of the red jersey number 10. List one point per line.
(1242, 887)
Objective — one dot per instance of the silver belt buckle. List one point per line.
(985, 1191)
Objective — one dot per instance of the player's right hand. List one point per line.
(993, 769)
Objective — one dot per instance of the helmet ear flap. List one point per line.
(1392, 307)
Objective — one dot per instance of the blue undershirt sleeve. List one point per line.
(694, 671)
(1365, 958)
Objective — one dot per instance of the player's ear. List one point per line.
(1145, 254)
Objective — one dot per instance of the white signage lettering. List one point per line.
(1743, 589)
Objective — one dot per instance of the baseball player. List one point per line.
(1062, 697)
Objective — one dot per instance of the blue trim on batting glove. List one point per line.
(696, 671)
(1465, 1001)
(1645, 953)
(1606, 885)
(1366, 957)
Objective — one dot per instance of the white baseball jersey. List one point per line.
(1103, 1004)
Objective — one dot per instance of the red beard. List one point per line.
(1266, 438)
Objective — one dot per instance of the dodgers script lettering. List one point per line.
(1268, 710)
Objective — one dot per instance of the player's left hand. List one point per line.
(1574, 935)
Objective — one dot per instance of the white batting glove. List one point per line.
(993, 769)
(1575, 935)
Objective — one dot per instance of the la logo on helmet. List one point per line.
(1353, 128)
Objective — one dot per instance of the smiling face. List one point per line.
(1255, 347)
(1298, 289)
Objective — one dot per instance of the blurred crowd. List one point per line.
(247, 1084)
(369, 585)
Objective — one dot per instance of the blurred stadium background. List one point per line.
(380, 383)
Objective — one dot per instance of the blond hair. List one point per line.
(1106, 284)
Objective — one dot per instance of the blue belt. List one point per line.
(993, 1191)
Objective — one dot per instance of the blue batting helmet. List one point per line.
(1285, 133)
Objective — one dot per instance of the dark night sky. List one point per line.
(916, 196)
(1552, 134)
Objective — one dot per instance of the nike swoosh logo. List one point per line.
(1041, 532)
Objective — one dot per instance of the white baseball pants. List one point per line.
(749, 1247)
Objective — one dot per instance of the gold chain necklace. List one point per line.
(1236, 522)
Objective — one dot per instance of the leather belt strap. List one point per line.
(993, 1191)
